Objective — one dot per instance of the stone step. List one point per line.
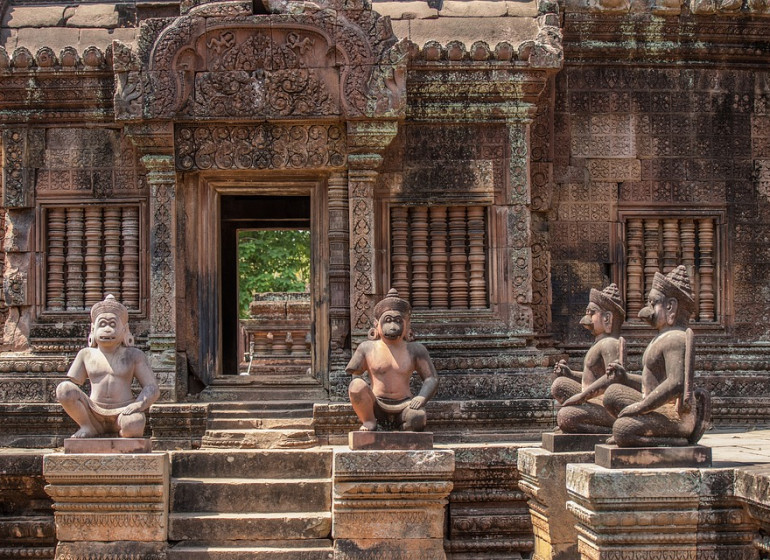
(214, 527)
(316, 549)
(257, 463)
(248, 438)
(247, 420)
(254, 495)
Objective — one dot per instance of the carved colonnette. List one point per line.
(390, 503)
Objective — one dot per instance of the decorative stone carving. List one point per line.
(111, 365)
(262, 146)
(109, 497)
(669, 410)
(390, 358)
(390, 504)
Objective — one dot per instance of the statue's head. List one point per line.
(670, 301)
(392, 317)
(109, 324)
(605, 313)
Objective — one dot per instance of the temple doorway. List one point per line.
(267, 301)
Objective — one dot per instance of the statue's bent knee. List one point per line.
(67, 391)
(415, 420)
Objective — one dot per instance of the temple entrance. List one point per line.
(266, 291)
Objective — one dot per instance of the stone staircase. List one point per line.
(250, 504)
(260, 425)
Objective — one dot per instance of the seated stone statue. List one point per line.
(110, 364)
(391, 358)
(580, 393)
(668, 411)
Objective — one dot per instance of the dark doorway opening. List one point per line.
(255, 213)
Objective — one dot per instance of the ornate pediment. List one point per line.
(221, 61)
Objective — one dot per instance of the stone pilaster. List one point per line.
(339, 271)
(391, 504)
(543, 480)
(161, 177)
(752, 487)
(654, 514)
(109, 505)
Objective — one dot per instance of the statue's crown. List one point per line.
(109, 305)
(392, 302)
(609, 299)
(675, 284)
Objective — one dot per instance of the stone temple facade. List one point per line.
(491, 160)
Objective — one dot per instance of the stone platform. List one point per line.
(390, 440)
(614, 457)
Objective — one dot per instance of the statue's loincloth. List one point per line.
(106, 412)
(392, 406)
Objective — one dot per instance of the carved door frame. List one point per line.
(199, 260)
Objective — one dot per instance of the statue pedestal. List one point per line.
(568, 443)
(390, 440)
(646, 514)
(543, 480)
(614, 457)
(391, 504)
(118, 500)
(107, 445)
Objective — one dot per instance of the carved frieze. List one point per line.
(264, 146)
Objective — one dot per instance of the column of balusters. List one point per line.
(670, 244)
(687, 238)
(477, 257)
(458, 258)
(706, 268)
(93, 259)
(635, 268)
(75, 259)
(56, 260)
(130, 257)
(651, 241)
(112, 226)
(439, 285)
(399, 256)
(420, 257)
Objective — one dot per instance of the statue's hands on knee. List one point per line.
(631, 410)
(575, 400)
(561, 369)
(417, 402)
(616, 372)
(132, 408)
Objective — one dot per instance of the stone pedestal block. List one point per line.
(107, 445)
(567, 443)
(543, 480)
(108, 498)
(390, 440)
(691, 456)
(391, 504)
(654, 514)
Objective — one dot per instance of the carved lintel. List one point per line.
(156, 138)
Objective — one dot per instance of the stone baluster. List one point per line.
(458, 259)
(670, 244)
(439, 259)
(75, 259)
(339, 264)
(112, 251)
(635, 268)
(93, 258)
(477, 257)
(399, 255)
(260, 343)
(688, 243)
(420, 258)
(651, 252)
(706, 269)
(55, 280)
(130, 257)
